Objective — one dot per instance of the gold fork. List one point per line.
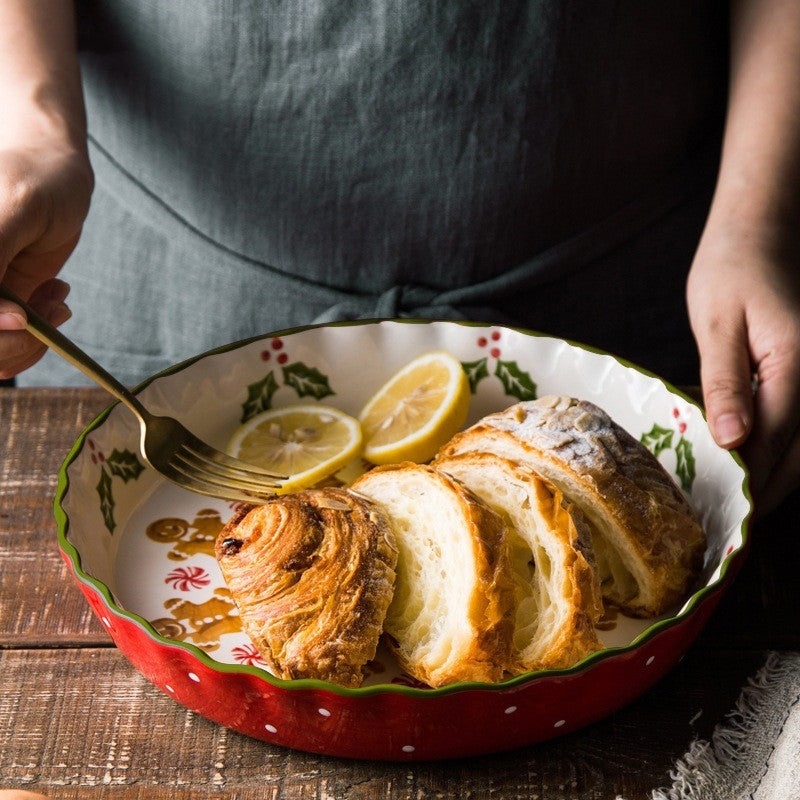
(165, 444)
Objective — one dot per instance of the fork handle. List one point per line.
(68, 350)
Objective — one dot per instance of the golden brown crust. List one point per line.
(312, 574)
(482, 614)
(577, 637)
(617, 483)
(542, 527)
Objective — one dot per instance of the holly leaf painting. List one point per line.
(476, 371)
(685, 466)
(124, 464)
(106, 500)
(306, 381)
(657, 439)
(259, 396)
(516, 382)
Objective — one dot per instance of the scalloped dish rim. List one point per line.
(73, 556)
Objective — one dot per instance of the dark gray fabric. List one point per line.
(267, 164)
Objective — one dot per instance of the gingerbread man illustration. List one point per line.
(203, 623)
(188, 539)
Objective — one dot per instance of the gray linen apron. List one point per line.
(262, 164)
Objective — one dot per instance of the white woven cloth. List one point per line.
(754, 754)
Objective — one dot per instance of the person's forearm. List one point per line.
(40, 90)
(743, 292)
(759, 182)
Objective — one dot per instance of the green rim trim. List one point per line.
(583, 665)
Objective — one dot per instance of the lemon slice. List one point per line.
(416, 411)
(305, 442)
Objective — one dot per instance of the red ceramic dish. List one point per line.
(139, 548)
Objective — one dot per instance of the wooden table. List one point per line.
(77, 721)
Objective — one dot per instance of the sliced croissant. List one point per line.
(557, 593)
(312, 574)
(647, 538)
(451, 618)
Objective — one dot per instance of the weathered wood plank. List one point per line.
(85, 718)
(37, 428)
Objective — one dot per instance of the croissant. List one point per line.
(312, 574)
(647, 539)
(451, 618)
(557, 594)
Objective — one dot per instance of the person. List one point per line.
(625, 176)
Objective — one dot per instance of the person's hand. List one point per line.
(45, 189)
(744, 305)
